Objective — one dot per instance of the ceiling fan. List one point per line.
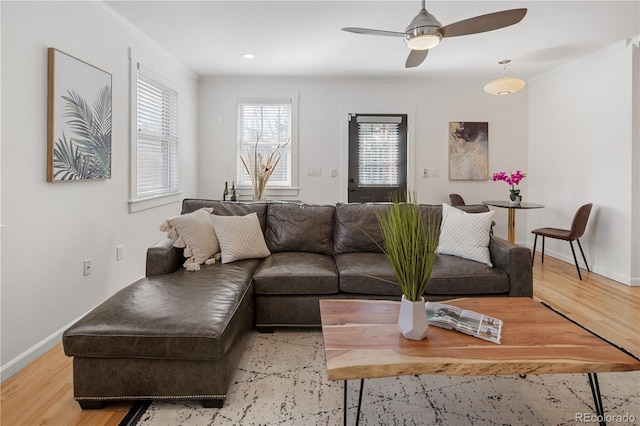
(425, 32)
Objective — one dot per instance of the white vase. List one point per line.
(412, 320)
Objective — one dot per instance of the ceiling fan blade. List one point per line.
(416, 57)
(480, 24)
(373, 32)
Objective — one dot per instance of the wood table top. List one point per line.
(362, 340)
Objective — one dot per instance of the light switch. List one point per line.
(314, 171)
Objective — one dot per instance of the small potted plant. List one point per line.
(410, 243)
(512, 179)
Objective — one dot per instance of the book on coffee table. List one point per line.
(465, 321)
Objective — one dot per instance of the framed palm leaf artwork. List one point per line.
(79, 120)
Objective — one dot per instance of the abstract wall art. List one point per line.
(468, 150)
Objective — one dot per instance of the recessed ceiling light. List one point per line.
(248, 55)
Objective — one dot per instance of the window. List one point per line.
(269, 123)
(377, 157)
(154, 133)
(379, 151)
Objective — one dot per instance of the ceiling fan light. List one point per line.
(504, 86)
(423, 41)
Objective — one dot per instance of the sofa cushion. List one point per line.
(465, 235)
(296, 273)
(193, 232)
(229, 208)
(300, 227)
(474, 208)
(176, 316)
(371, 273)
(366, 273)
(240, 237)
(435, 211)
(357, 228)
(455, 276)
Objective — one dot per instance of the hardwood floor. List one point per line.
(42, 393)
(605, 307)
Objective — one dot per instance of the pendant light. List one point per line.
(504, 85)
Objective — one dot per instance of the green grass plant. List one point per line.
(410, 243)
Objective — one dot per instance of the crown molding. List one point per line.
(568, 65)
(137, 33)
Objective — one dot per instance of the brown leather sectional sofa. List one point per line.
(177, 334)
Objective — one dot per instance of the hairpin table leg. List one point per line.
(344, 416)
(597, 397)
(359, 403)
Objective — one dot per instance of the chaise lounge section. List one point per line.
(178, 334)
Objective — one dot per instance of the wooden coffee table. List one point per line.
(361, 340)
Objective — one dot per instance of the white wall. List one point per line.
(50, 228)
(324, 104)
(583, 148)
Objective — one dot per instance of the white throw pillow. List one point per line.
(193, 232)
(465, 234)
(240, 237)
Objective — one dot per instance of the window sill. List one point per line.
(151, 202)
(246, 193)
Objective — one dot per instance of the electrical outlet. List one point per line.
(87, 267)
(120, 252)
(430, 172)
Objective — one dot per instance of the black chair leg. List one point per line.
(584, 258)
(542, 249)
(575, 259)
(533, 255)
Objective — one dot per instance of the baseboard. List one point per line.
(34, 352)
(622, 279)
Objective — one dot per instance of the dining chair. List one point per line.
(578, 225)
(456, 200)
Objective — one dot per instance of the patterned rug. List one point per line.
(282, 381)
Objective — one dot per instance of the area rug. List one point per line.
(282, 381)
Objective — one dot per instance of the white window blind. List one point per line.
(270, 121)
(157, 136)
(379, 151)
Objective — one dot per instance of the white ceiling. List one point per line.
(304, 38)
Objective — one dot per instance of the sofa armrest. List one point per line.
(515, 261)
(163, 258)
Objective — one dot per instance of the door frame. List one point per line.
(344, 142)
